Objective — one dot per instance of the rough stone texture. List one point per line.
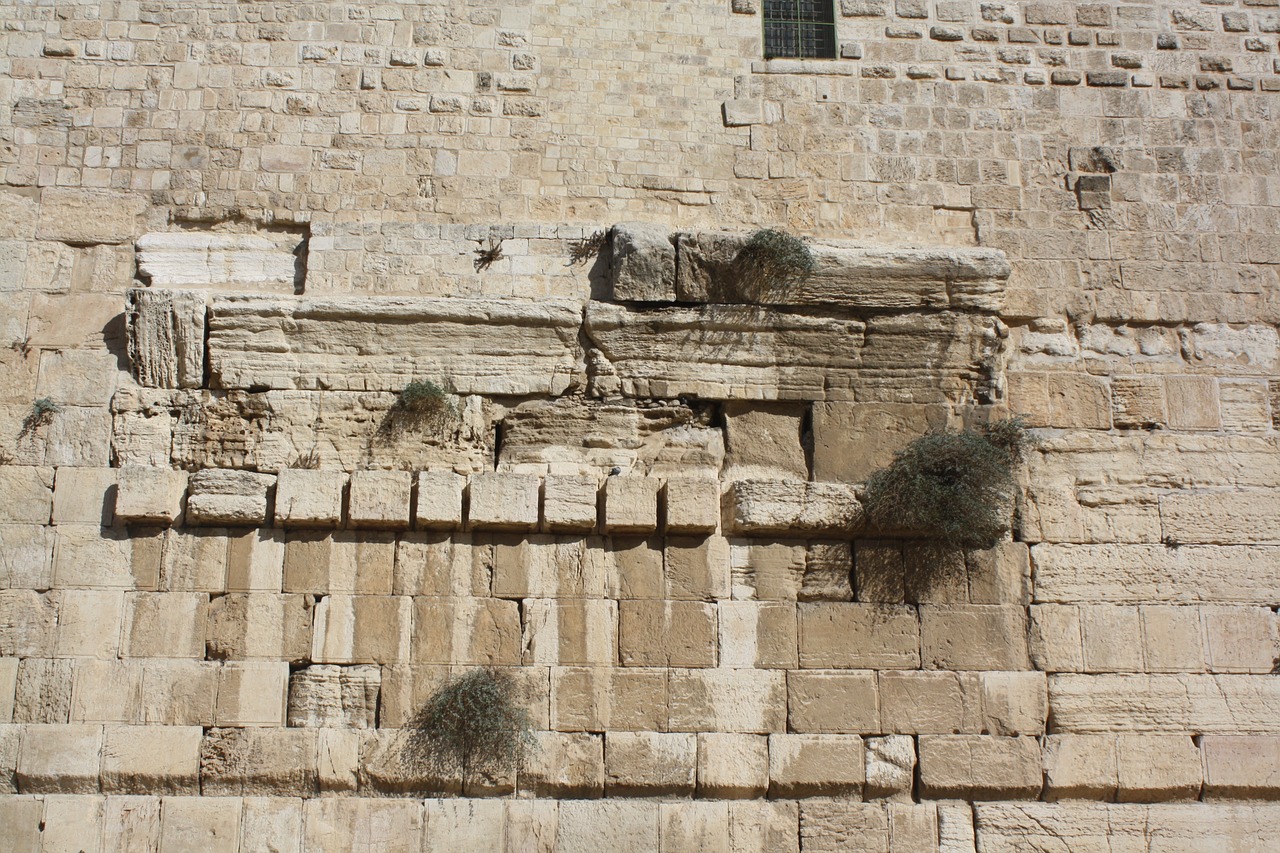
(1006, 827)
(148, 494)
(631, 504)
(151, 760)
(649, 764)
(852, 440)
(307, 498)
(380, 499)
(858, 636)
(980, 767)
(812, 765)
(322, 696)
(1241, 767)
(781, 507)
(643, 263)
(1208, 704)
(439, 500)
(692, 505)
(504, 501)
(231, 261)
(361, 344)
(763, 442)
(229, 497)
(1136, 574)
(166, 331)
(732, 766)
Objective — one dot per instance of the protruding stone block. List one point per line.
(328, 696)
(501, 501)
(891, 764)
(650, 764)
(858, 636)
(252, 693)
(148, 494)
(631, 504)
(815, 765)
(439, 505)
(643, 263)
(794, 508)
(60, 759)
(309, 498)
(166, 331)
(1241, 767)
(980, 767)
(229, 497)
(693, 505)
(568, 765)
(732, 766)
(380, 499)
(151, 760)
(569, 504)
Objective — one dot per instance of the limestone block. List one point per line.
(272, 823)
(1171, 638)
(667, 633)
(89, 623)
(164, 625)
(1221, 517)
(84, 495)
(338, 760)
(569, 503)
(28, 623)
(786, 508)
(238, 762)
(650, 764)
(815, 765)
(59, 759)
(748, 353)
(832, 703)
(1241, 767)
(693, 505)
(465, 826)
(166, 337)
(929, 702)
(631, 504)
(638, 566)
(891, 764)
(394, 826)
(148, 494)
(131, 822)
(1014, 703)
(1137, 402)
(380, 499)
(194, 560)
(252, 693)
(975, 637)
(835, 825)
(1205, 704)
(763, 442)
(326, 696)
(481, 346)
(851, 441)
(727, 700)
(1156, 768)
(935, 573)
(828, 572)
(21, 817)
(26, 556)
(768, 571)
(28, 494)
(588, 826)
(500, 501)
(1081, 767)
(609, 699)
(566, 765)
(151, 759)
(106, 692)
(439, 500)
(532, 825)
(179, 693)
(339, 562)
(758, 634)
(309, 498)
(1055, 642)
(71, 818)
(221, 496)
(858, 636)
(980, 767)
(570, 633)
(550, 566)
(199, 823)
(696, 568)
(259, 627)
(1000, 575)
(8, 687)
(642, 264)
(465, 630)
(732, 766)
(694, 826)
(762, 826)
(10, 740)
(1239, 639)
(440, 563)
(362, 629)
(1008, 827)
(203, 259)
(1193, 402)
(80, 216)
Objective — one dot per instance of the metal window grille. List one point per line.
(799, 29)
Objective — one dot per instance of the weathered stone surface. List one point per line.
(361, 629)
(89, 215)
(974, 637)
(1155, 573)
(166, 334)
(380, 344)
(84, 496)
(197, 823)
(732, 766)
(749, 353)
(502, 501)
(1009, 827)
(757, 634)
(439, 500)
(566, 764)
(1221, 518)
(59, 759)
(151, 760)
(28, 494)
(815, 765)
(89, 623)
(26, 556)
(713, 267)
(726, 700)
(891, 764)
(852, 440)
(858, 636)
(1241, 767)
(650, 764)
(631, 504)
(832, 703)
(693, 827)
(258, 762)
(787, 508)
(464, 630)
(589, 827)
(219, 496)
(42, 692)
(165, 624)
(980, 767)
(252, 693)
(692, 504)
(643, 263)
(763, 442)
(342, 561)
(570, 633)
(380, 499)
(667, 633)
(307, 498)
(1208, 704)
(324, 696)
(28, 623)
(259, 626)
(149, 494)
(202, 259)
(395, 826)
(609, 699)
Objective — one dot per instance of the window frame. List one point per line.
(822, 19)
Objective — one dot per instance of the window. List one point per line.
(799, 29)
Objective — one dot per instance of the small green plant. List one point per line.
(421, 403)
(41, 415)
(489, 251)
(770, 264)
(956, 487)
(471, 726)
(586, 248)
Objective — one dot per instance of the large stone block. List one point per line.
(149, 494)
(84, 496)
(591, 826)
(222, 496)
(477, 346)
(309, 498)
(758, 634)
(891, 766)
(325, 696)
(609, 699)
(261, 626)
(1203, 704)
(631, 504)
(650, 764)
(732, 766)
(832, 703)
(22, 817)
(974, 637)
(239, 762)
(696, 568)
(339, 562)
(198, 823)
(439, 500)
(380, 499)
(179, 693)
(980, 767)
(59, 759)
(1221, 517)
(28, 494)
(394, 826)
(570, 633)
(26, 556)
(28, 623)
(853, 440)
(165, 625)
(858, 636)
(1010, 827)
(246, 262)
(667, 633)
(788, 508)
(151, 760)
(89, 623)
(361, 629)
(166, 335)
(763, 441)
(727, 700)
(106, 691)
(815, 765)
(748, 353)
(465, 630)
(80, 216)
(252, 693)
(1241, 767)
(570, 503)
(642, 264)
(501, 501)
(693, 505)
(567, 765)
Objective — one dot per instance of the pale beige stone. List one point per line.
(252, 693)
(84, 495)
(164, 624)
(438, 502)
(380, 499)
(339, 562)
(1055, 642)
(727, 700)
(642, 264)
(271, 824)
(1172, 638)
(1241, 767)
(787, 508)
(694, 827)
(566, 764)
(692, 505)
(696, 568)
(194, 560)
(258, 627)
(631, 504)
(763, 826)
(1220, 517)
(832, 703)
(1112, 639)
(891, 763)
(609, 699)
(89, 623)
(71, 820)
(8, 686)
(975, 637)
(59, 759)
(980, 767)
(1014, 703)
(858, 636)
(28, 623)
(236, 762)
(198, 823)
(1000, 575)
(394, 826)
(500, 501)
(148, 494)
(42, 692)
(26, 556)
(464, 630)
(21, 817)
(763, 442)
(1156, 768)
(830, 825)
(638, 566)
(650, 764)
(853, 440)
(362, 629)
(1204, 704)
(465, 826)
(166, 337)
(1239, 639)
(202, 259)
(815, 765)
(219, 496)
(828, 572)
(1081, 767)
(757, 634)
(667, 633)
(87, 556)
(309, 498)
(1193, 402)
(10, 740)
(28, 494)
(928, 702)
(531, 825)
(324, 696)
(1137, 402)
(179, 693)
(89, 215)
(732, 766)
(151, 759)
(768, 571)
(439, 563)
(570, 503)
(540, 565)
(588, 826)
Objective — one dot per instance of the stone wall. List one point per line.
(231, 571)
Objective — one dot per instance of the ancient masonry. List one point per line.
(234, 565)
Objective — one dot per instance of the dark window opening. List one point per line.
(799, 29)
